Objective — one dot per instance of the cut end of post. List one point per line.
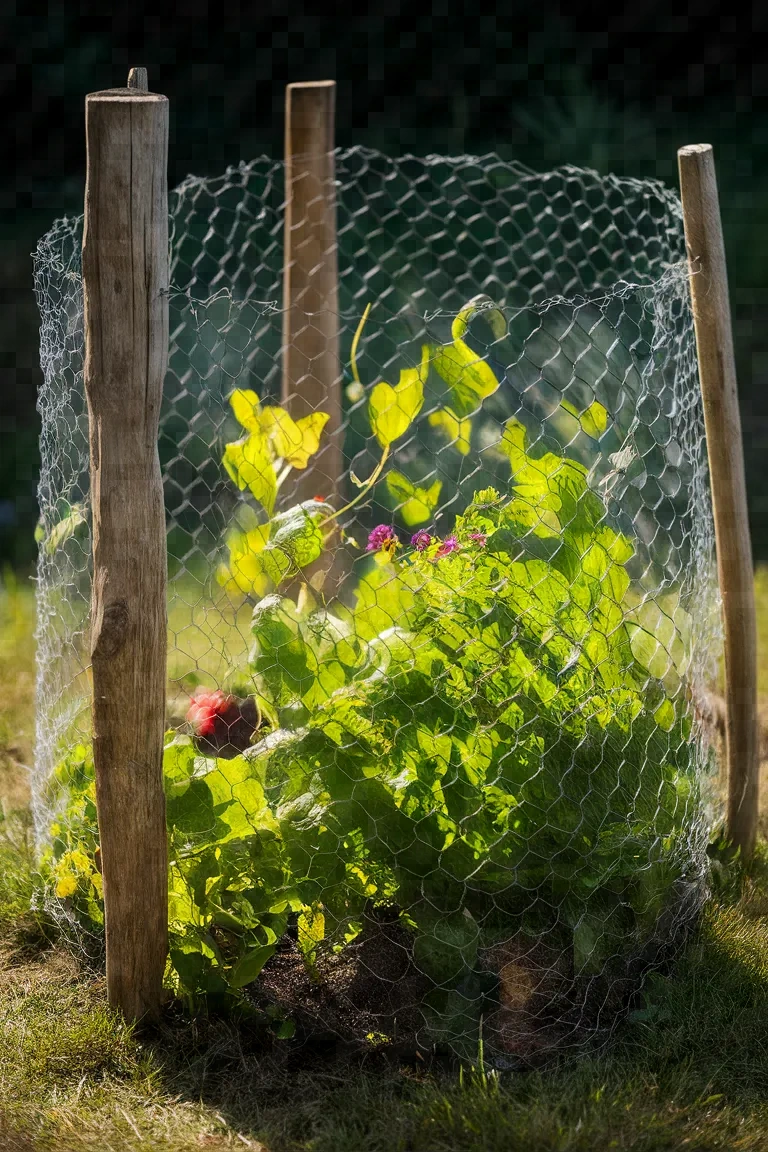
(310, 84)
(137, 78)
(694, 149)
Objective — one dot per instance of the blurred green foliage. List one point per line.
(594, 85)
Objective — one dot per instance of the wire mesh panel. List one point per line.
(435, 768)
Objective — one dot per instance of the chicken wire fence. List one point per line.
(436, 770)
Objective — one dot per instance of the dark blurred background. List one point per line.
(609, 86)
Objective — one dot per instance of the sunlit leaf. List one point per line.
(245, 571)
(65, 529)
(415, 504)
(391, 411)
(249, 464)
(248, 968)
(470, 378)
(245, 405)
(480, 305)
(293, 440)
(311, 931)
(457, 431)
(593, 420)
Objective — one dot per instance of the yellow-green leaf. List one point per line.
(593, 420)
(311, 929)
(392, 410)
(293, 440)
(65, 529)
(492, 314)
(665, 715)
(245, 405)
(249, 463)
(414, 504)
(457, 431)
(468, 376)
(310, 428)
(245, 572)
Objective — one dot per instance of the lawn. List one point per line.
(689, 1070)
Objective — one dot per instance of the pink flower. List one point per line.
(478, 538)
(450, 544)
(421, 540)
(383, 536)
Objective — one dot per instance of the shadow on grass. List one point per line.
(689, 1068)
(690, 1065)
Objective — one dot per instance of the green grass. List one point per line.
(17, 693)
(690, 1071)
(693, 1074)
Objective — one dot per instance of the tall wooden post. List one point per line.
(125, 288)
(717, 372)
(311, 366)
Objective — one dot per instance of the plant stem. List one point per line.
(355, 343)
(280, 480)
(364, 491)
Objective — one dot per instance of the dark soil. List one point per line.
(370, 993)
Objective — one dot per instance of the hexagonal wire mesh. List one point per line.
(447, 781)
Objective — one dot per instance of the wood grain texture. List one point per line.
(717, 372)
(137, 78)
(311, 365)
(125, 286)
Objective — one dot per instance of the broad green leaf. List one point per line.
(178, 761)
(383, 600)
(391, 412)
(280, 656)
(275, 563)
(181, 907)
(191, 810)
(248, 968)
(245, 405)
(415, 504)
(665, 715)
(243, 805)
(298, 533)
(190, 967)
(249, 464)
(649, 652)
(594, 420)
(470, 378)
(457, 431)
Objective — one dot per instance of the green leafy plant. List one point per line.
(475, 744)
(264, 547)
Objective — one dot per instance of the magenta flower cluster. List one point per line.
(382, 536)
(450, 544)
(421, 540)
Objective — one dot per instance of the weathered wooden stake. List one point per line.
(137, 78)
(125, 288)
(311, 366)
(717, 372)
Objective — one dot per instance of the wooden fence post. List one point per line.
(125, 289)
(311, 366)
(717, 372)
